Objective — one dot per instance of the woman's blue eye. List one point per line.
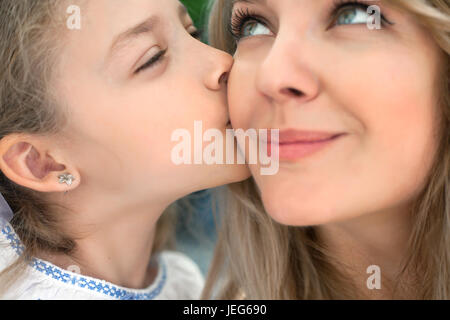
(352, 15)
(254, 28)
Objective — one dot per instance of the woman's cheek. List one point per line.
(399, 122)
(239, 97)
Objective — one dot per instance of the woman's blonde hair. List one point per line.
(257, 258)
(31, 36)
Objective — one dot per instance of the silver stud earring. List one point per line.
(66, 178)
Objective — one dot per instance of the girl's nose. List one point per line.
(218, 66)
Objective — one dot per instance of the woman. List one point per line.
(90, 94)
(360, 206)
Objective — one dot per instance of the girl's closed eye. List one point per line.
(197, 34)
(152, 61)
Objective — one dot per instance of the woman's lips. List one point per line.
(296, 144)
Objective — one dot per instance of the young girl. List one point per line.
(90, 94)
(360, 207)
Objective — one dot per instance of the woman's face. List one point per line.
(356, 107)
(130, 77)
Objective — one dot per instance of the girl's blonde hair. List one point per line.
(31, 36)
(258, 258)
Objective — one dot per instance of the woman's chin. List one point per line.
(295, 212)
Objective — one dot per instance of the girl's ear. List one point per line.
(27, 161)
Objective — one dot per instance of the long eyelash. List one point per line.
(238, 19)
(339, 4)
(153, 60)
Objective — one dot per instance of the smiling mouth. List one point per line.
(294, 149)
(309, 141)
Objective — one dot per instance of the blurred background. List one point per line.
(198, 9)
(196, 227)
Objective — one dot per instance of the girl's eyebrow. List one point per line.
(247, 1)
(144, 27)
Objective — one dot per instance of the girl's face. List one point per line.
(130, 77)
(356, 107)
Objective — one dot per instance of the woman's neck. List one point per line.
(379, 239)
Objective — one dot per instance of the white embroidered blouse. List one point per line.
(178, 278)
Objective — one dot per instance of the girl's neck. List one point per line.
(115, 247)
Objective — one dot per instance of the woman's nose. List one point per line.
(285, 75)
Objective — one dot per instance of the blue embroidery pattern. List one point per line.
(80, 281)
